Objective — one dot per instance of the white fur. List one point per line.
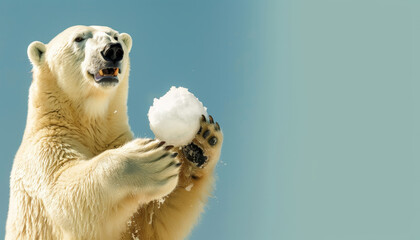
(64, 185)
(79, 173)
(36, 52)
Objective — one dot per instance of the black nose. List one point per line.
(113, 52)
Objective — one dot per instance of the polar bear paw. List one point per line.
(150, 166)
(206, 144)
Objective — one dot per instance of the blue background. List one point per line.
(318, 101)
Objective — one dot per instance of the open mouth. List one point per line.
(107, 76)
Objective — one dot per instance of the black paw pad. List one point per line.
(194, 154)
(212, 141)
(206, 134)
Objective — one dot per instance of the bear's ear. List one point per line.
(36, 53)
(127, 40)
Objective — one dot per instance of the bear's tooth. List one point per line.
(101, 72)
(116, 72)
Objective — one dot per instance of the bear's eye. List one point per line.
(78, 39)
(116, 38)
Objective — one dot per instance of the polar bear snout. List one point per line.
(104, 64)
(113, 52)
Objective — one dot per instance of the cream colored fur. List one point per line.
(79, 173)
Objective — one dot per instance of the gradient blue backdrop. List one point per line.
(318, 101)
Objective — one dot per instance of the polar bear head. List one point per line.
(86, 61)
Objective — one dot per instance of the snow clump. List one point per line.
(175, 117)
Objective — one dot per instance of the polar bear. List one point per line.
(79, 172)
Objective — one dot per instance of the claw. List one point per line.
(199, 131)
(211, 119)
(217, 127)
(174, 155)
(206, 134)
(203, 118)
(169, 147)
(160, 144)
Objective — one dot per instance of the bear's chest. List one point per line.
(96, 139)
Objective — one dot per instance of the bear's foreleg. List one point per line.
(174, 216)
(105, 191)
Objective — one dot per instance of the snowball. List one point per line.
(175, 117)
